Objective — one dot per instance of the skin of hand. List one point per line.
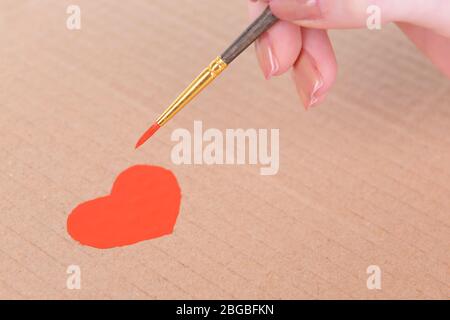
(300, 41)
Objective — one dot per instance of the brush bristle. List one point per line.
(148, 134)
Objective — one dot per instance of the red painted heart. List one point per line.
(143, 204)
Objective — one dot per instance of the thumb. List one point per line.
(332, 14)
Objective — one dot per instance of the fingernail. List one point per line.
(297, 10)
(266, 56)
(308, 79)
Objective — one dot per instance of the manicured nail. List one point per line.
(266, 56)
(297, 10)
(308, 79)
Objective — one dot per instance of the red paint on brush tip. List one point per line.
(143, 204)
(148, 134)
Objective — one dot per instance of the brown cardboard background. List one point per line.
(364, 179)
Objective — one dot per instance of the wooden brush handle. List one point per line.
(253, 32)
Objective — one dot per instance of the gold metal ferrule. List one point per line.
(204, 79)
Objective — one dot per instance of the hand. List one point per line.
(300, 40)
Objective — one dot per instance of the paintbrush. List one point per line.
(253, 32)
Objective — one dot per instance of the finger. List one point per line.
(434, 46)
(327, 14)
(278, 48)
(315, 71)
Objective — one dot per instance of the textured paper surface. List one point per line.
(364, 179)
